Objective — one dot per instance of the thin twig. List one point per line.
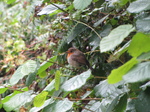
(86, 99)
(88, 26)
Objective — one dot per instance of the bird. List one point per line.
(76, 58)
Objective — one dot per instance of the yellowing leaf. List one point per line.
(40, 99)
(116, 74)
(139, 44)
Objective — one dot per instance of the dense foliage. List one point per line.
(113, 34)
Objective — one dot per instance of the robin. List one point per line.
(76, 58)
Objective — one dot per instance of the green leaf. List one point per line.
(96, 106)
(47, 64)
(138, 73)
(142, 5)
(60, 106)
(7, 98)
(115, 37)
(104, 89)
(43, 74)
(50, 86)
(2, 89)
(139, 44)
(37, 109)
(117, 74)
(30, 79)
(57, 80)
(81, 4)
(11, 1)
(123, 2)
(40, 99)
(142, 102)
(29, 67)
(121, 106)
(18, 100)
(142, 24)
(75, 31)
(76, 82)
(144, 56)
(50, 9)
(112, 105)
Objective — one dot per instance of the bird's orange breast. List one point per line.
(69, 54)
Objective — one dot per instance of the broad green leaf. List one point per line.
(10, 1)
(37, 109)
(121, 106)
(104, 89)
(96, 106)
(117, 74)
(2, 89)
(30, 79)
(75, 31)
(40, 99)
(123, 2)
(60, 106)
(140, 72)
(139, 44)
(57, 80)
(142, 5)
(47, 64)
(144, 56)
(50, 86)
(115, 37)
(29, 67)
(76, 82)
(142, 102)
(50, 9)
(43, 74)
(81, 4)
(18, 100)
(142, 24)
(7, 98)
(112, 105)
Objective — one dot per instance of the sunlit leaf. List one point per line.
(76, 82)
(117, 74)
(29, 67)
(142, 5)
(81, 4)
(18, 100)
(140, 72)
(139, 44)
(46, 64)
(60, 106)
(2, 89)
(115, 37)
(57, 80)
(47, 102)
(40, 99)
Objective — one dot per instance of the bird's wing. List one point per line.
(80, 59)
